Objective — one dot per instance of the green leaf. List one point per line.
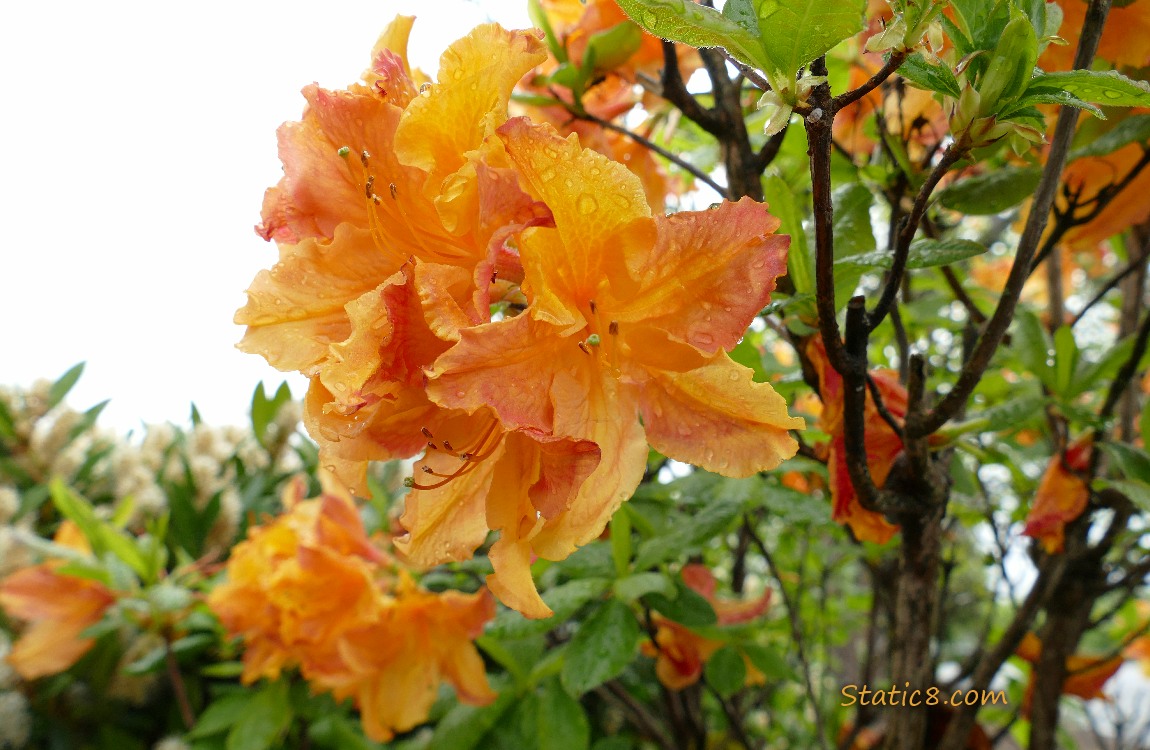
(796, 32)
(58, 390)
(1133, 463)
(608, 49)
(79, 511)
(539, 20)
(929, 76)
(1014, 413)
(1031, 343)
(632, 587)
(221, 714)
(684, 21)
(621, 541)
(1133, 129)
(1137, 492)
(564, 600)
(1109, 88)
(601, 649)
(264, 410)
(1065, 360)
(703, 526)
(1144, 423)
(686, 606)
(923, 254)
(770, 663)
(1043, 95)
(553, 720)
(780, 197)
(852, 226)
(464, 726)
(992, 192)
(726, 671)
(267, 717)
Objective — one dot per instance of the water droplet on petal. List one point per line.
(587, 204)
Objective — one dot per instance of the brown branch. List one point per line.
(637, 712)
(889, 67)
(750, 73)
(950, 157)
(675, 91)
(1114, 281)
(178, 688)
(960, 294)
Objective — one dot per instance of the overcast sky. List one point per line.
(137, 141)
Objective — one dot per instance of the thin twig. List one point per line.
(751, 74)
(1114, 281)
(796, 632)
(638, 713)
(186, 714)
(889, 67)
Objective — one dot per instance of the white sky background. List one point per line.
(136, 141)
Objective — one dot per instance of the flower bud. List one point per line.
(1011, 64)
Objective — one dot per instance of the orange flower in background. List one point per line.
(1139, 648)
(628, 315)
(1123, 40)
(1060, 498)
(395, 666)
(1088, 177)
(310, 590)
(1085, 675)
(882, 444)
(681, 653)
(58, 608)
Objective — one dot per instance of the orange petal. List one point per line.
(867, 525)
(449, 522)
(296, 311)
(1060, 498)
(716, 417)
(709, 274)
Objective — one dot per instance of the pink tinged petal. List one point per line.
(564, 465)
(716, 417)
(390, 74)
(446, 293)
(452, 117)
(296, 311)
(709, 274)
(476, 372)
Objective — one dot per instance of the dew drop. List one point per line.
(622, 201)
(458, 74)
(460, 394)
(703, 338)
(547, 174)
(587, 204)
(734, 376)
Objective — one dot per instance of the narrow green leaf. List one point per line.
(621, 541)
(1108, 88)
(559, 721)
(601, 649)
(1133, 129)
(923, 254)
(1035, 96)
(539, 18)
(79, 511)
(632, 587)
(992, 192)
(696, 25)
(800, 268)
(1032, 345)
(1133, 463)
(610, 48)
(1137, 492)
(221, 714)
(1065, 360)
(464, 726)
(929, 76)
(58, 390)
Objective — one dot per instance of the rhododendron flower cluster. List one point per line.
(310, 590)
(499, 298)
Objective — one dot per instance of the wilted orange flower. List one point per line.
(882, 443)
(1085, 675)
(311, 590)
(628, 315)
(680, 652)
(58, 608)
(1123, 40)
(1061, 496)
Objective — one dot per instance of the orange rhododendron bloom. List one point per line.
(310, 590)
(882, 444)
(681, 653)
(58, 608)
(1087, 178)
(1085, 675)
(1060, 498)
(628, 315)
